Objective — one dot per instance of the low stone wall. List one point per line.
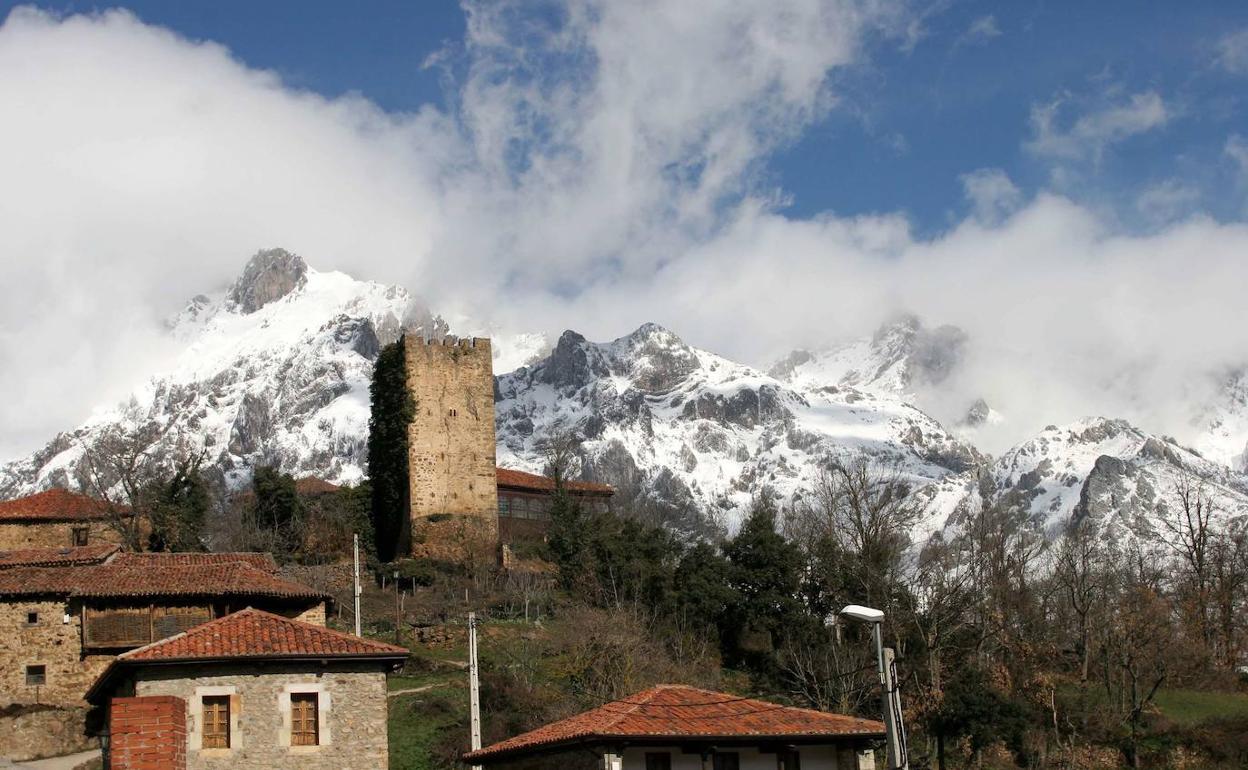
(33, 732)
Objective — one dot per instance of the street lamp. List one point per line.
(895, 730)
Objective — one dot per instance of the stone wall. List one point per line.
(147, 733)
(54, 534)
(37, 731)
(451, 450)
(49, 642)
(352, 700)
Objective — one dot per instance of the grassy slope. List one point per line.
(1193, 706)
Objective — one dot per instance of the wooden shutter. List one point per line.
(303, 719)
(129, 627)
(216, 721)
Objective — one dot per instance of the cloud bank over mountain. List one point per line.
(598, 167)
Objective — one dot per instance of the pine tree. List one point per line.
(765, 575)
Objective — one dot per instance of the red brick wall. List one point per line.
(147, 733)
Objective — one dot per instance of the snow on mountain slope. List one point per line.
(1120, 477)
(684, 428)
(1223, 424)
(899, 357)
(276, 370)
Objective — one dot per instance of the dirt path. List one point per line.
(410, 690)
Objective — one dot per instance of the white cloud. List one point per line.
(981, 30)
(141, 168)
(1092, 133)
(991, 194)
(1167, 200)
(1231, 52)
(1237, 150)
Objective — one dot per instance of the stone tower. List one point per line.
(454, 496)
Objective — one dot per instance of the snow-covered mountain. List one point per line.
(1224, 423)
(680, 427)
(274, 370)
(1124, 480)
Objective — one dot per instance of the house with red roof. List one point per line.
(249, 690)
(676, 727)
(525, 499)
(67, 613)
(58, 518)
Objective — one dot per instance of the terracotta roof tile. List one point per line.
(261, 561)
(678, 712)
(254, 635)
(57, 557)
(150, 578)
(507, 477)
(57, 505)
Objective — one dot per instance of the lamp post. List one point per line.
(895, 730)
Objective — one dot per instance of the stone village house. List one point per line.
(58, 518)
(675, 727)
(66, 614)
(250, 690)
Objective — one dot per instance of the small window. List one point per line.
(36, 676)
(454, 413)
(32, 618)
(216, 722)
(81, 535)
(727, 760)
(303, 719)
(658, 760)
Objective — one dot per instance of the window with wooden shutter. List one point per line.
(303, 718)
(216, 730)
(80, 536)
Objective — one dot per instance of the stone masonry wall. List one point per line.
(49, 642)
(352, 714)
(147, 733)
(34, 732)
(53, 534)
(451, 449)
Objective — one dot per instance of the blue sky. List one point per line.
(1066, 181)
(919, 112)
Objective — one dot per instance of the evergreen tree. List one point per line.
(704, 591)
(276, 509)
(765, 574)
(177, 508)
(393, 410)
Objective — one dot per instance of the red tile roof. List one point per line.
(261, 561)
(150, 578)
(251, 634)
(311, 486)
(57, 505)
(531, 481)
(57, 557)
(680, 713)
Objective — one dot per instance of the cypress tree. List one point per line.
(393, 410)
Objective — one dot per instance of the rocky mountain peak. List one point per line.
(270, 275)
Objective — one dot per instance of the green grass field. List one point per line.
(1193, 706)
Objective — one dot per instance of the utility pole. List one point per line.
(398, 612)
(357, 584)
(474, 686)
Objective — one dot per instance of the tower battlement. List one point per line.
(451, 445)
